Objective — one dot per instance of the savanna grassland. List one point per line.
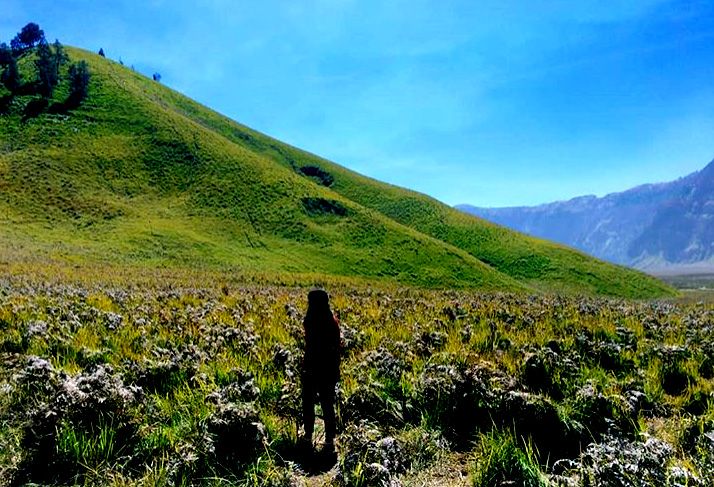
(154, 263)
(190, 379)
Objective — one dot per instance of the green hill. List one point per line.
(141, 175)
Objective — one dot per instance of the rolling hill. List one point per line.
(663, 227)
(140, 175)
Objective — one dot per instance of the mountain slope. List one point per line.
(650, 226)
(682, 228)
(142, 174)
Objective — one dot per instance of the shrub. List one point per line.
(369, 458)
(456, 401)
(534, 418)
(422, 447)
(675, 378)
(238, 437)
(82, 422)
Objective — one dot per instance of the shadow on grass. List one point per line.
(38, 106)
(34, 109)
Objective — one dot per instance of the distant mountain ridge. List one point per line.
(653, 226)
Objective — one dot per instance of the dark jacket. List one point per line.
(322, 341)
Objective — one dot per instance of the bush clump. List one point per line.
(318, 174)
(322, 206)
(370, 458)
(76, 424)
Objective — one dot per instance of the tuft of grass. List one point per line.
(90, 450)
(500, 459)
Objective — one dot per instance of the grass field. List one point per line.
(702, 282)
(187, 378)
(693, 288)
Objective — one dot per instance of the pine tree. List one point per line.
(5, 54)
(60, 55)
(59, 58)
(47, 73)
(78, 83)
(11, 76)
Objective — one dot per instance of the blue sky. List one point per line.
(492, 103)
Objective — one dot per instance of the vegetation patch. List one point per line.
(322, 206)
(318, 174)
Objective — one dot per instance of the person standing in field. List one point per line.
(321, 365)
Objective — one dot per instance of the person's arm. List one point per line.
(307, 344)
(337, 344)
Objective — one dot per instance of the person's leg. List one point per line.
(308, 407)
(327, 401)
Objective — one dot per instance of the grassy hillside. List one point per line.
(140, 174)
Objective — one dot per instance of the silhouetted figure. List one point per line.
(321, 365)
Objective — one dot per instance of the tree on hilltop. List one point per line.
(101, 52)
(27, 38)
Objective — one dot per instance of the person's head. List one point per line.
(318, 297)
(318, 302)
